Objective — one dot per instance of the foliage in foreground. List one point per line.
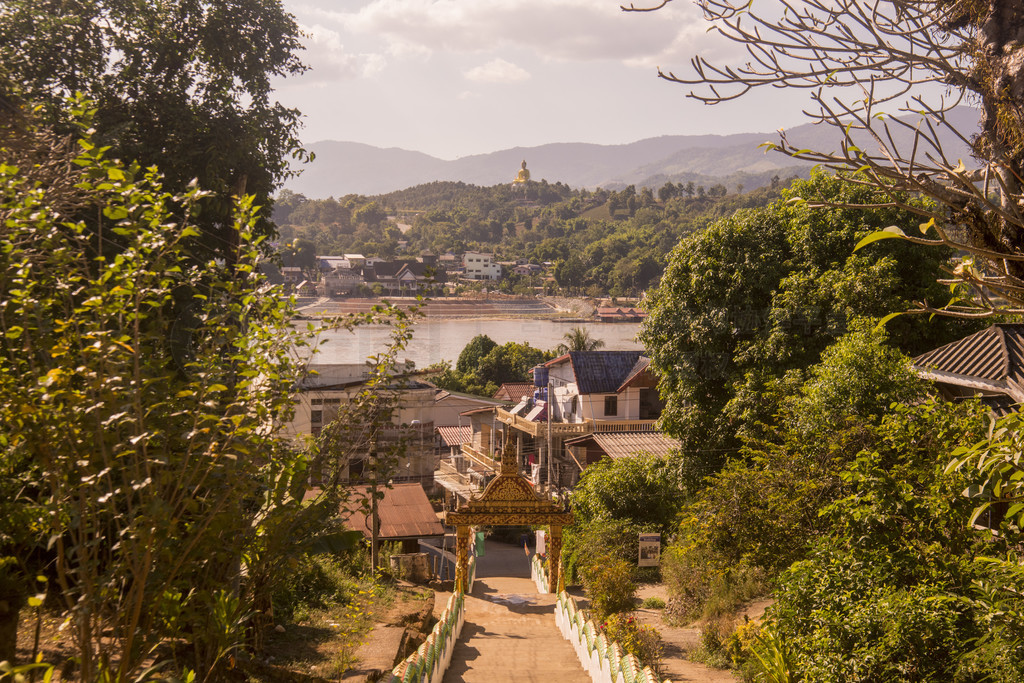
(141, 393)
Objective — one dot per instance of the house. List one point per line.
(355, 260)
(404, 278)
(470, 464)
(419, 409)
(449, 406)
(587, 450)
(292, 275)
(449, 263)
(328, 263)
(988, 364)
(618, 314)
(480, 266)
(340, 282)
(527, 269)
(592, 392)
(514, 392)
(405, 514)
(329, 389)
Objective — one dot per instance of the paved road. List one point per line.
(510, 632)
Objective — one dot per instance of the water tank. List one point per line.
(540, 376)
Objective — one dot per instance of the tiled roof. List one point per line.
(602, 372)
(514, 391)
(992, 359)
(453, 435)
(625, 444)
(404, 512)
(642, 363)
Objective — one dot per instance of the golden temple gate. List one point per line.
(509, 500)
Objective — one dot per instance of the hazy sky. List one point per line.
(459, 77)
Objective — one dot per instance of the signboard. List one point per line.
(650, 550)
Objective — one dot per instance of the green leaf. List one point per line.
(115, 213)
(888, 233)
(882, 323)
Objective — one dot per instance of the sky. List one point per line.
(452, 78)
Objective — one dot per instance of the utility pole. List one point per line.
(374, 517)
(550, 407)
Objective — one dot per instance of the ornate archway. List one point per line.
(509, 500)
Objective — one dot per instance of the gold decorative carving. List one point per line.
(509, 500)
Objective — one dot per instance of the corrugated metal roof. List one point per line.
(625, 444)
(602, 372)
(515, 391)
(453, 435)
(993, 355)
(404, 513)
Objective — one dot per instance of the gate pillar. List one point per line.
(461, 559)
(554, 558)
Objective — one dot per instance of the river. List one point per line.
(440, 339)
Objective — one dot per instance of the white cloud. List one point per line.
(497, 71)
(573, 30)
(329, 60)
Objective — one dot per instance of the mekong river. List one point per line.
(443, 339)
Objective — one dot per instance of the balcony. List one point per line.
(480, 459)
(570, 429)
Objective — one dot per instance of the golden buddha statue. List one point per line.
(523, 176)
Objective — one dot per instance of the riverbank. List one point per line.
(491, 306)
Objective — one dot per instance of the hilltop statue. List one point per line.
(523, 176)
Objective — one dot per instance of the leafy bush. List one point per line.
(653, 602)
(317, 581)
(702, 585)
(887, 594)
(609, 585)
(614, 502)
(714, 636)
(635, 638)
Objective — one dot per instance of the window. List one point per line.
(611, 405)
(316, 416)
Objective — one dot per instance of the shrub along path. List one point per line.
(510, 632)
(676, 641)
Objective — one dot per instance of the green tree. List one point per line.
(614, 501)
(579, 339)
(764, 292)
(184, 86)
(147, 429)
(890, 586)
(510, 362)
(473, 352)
(820, 48)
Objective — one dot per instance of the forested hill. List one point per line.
(342, 168)
(598, 242)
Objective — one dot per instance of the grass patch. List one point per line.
(653, 602)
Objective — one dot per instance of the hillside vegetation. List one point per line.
(598, 242)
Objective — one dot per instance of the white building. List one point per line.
(480, 266)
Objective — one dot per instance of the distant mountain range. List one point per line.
(342, 168)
